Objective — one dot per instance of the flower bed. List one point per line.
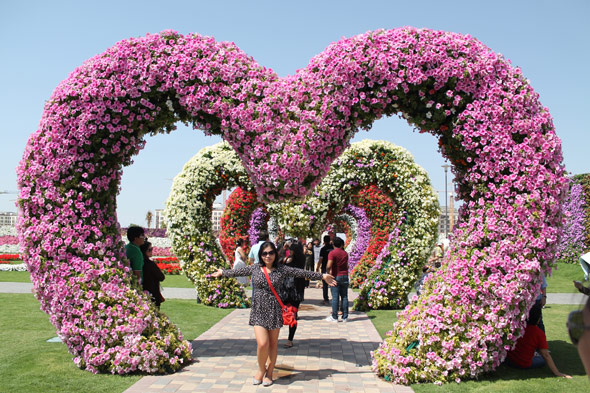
(17, 267)
(170, 268)
(258, 222)
(488, 120)
(380, 209)
(163, 251)
(8, 239)
(10, 257)
(584, 181)
(360, 235)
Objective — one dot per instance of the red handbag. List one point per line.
(289, 311)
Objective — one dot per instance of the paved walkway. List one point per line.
(326, 357)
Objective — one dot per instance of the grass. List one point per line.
(563, 276)
(171, 281)
(15, 277)
(28, 363)
(177, 281)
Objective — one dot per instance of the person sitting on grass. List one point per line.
(523, 354)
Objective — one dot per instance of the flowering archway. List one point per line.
(382, 178)
(487, 118)
(188, 212)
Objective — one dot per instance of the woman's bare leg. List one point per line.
(262, 350)
(272, 352)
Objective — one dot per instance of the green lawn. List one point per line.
(15, 277)
(28, 363)
(177, 281)
(563, 276)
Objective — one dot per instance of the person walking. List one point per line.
(152, 275)
(338, 267)
(266, 315)
(240, 260)
(323, 263)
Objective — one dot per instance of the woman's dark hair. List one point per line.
(239, 242)
(534, 315)
(297, 255)
(261, 250)
(144, 247)
(134, 232)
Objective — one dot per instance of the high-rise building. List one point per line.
(8, 218)
(216, 214)
(160, 218)
(447, 222)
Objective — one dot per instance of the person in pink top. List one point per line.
(338, 266)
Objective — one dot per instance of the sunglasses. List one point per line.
(267, 253)
(575, 326)
(150, 249)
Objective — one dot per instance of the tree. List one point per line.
(148, 218)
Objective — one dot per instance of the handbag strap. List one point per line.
(272, 288)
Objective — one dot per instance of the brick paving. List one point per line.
(326, 357)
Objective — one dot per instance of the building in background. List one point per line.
(216, 213)
(447, 223)
(8, 218)
(160, 219)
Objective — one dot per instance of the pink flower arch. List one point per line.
(488, 119)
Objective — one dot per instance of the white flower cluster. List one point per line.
(20, 267)
(7, 230)
(161, 242)
(393, 170)
(9, 249)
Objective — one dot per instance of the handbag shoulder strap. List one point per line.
(271, 287)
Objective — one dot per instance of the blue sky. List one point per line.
(41, 42)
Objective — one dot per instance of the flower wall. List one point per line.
(487, 118)
(584, 181)
(381, 210)
(258, 222)
(361, 229)
(572, 242)
(235, 221)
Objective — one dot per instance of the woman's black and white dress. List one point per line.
(266, 311)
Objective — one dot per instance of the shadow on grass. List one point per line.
(564, 354)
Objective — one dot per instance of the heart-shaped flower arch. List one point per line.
(488, 119)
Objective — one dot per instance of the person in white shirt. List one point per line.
(585, 263)
(317, 247)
